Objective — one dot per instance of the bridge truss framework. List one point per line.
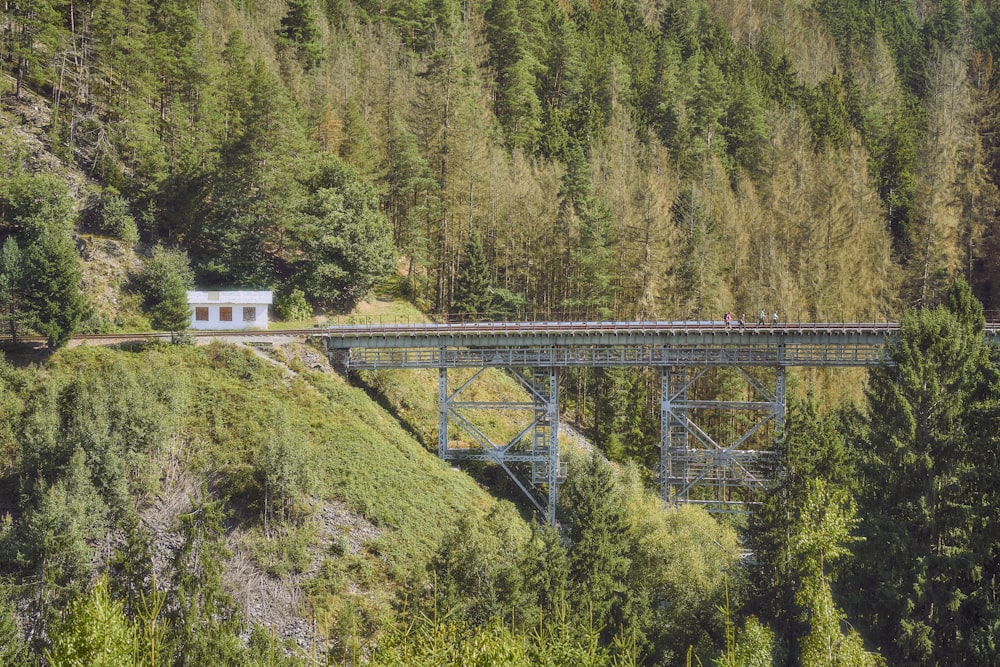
(723, 473)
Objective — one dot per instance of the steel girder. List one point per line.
(698, 467)
(535, 446)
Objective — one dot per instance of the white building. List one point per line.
(232, 309)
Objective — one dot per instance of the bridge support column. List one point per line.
(533, 450)
(722, 469)
(674, 447)
(553, 478)
(442, 411)
(779, 400)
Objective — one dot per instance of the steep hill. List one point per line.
(331, 504)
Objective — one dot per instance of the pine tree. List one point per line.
(35, 31)
(822, 530)
(13, 651)
(202, 611)
(164, 281)
(517, 107)
(585, 222)
(53, 293)
(300, 31)
(346, 238)
(96, 632)
(12, 306)
(412, 201)
(599, 561)
(358, 147)
(473, 290)
(812, 448)
(927, 494)
(238, 234)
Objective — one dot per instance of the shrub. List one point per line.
(292, 306)
(114, 218)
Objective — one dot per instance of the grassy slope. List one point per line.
(357, 454)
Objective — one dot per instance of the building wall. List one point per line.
(237, 312)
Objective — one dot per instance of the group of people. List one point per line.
(761, 319)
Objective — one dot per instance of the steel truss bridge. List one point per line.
(697, 465)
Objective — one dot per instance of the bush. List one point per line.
(114, 218)
(292, 306)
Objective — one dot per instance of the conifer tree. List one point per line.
(812, 448)
(164, 281)
(34, 30)
(585, 222)
(599, 560)
(358, 147)
(13, 651)
(927, 494)
(52, 280)
(12, 306)
(300, 31)
(345, 237)
(412, 200)
(473, 288)
(96, 632)
(517, 106)
(202, 610)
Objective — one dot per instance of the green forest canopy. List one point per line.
(641, 159)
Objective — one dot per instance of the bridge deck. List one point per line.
(564, 344)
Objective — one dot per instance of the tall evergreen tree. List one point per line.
(345, 237)
(599, 561)
(34, 33)
(515, 67)
(473, 297)
(247, 205)
(300, 31)
(412, 200)
(585, 222)
(12, 313)
(164, 281)
(52, 287)
(926, 571)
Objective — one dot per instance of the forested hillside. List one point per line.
(636, 159)
(646, 159)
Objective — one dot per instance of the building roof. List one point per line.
(238, 297)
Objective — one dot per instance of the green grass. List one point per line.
(356, 452)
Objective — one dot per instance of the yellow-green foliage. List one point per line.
(681, 558)
(413, 396)
(96, 632)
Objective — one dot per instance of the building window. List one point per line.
(225, 313)
(201, 314)
(249, 313)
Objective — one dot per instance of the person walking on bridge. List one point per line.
(760, 318)
(774, 319)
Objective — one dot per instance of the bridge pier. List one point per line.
(719, 472)
(535, 446)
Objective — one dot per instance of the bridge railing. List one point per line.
(375, 326)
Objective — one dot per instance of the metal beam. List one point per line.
(540, 451)
(692, 458)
